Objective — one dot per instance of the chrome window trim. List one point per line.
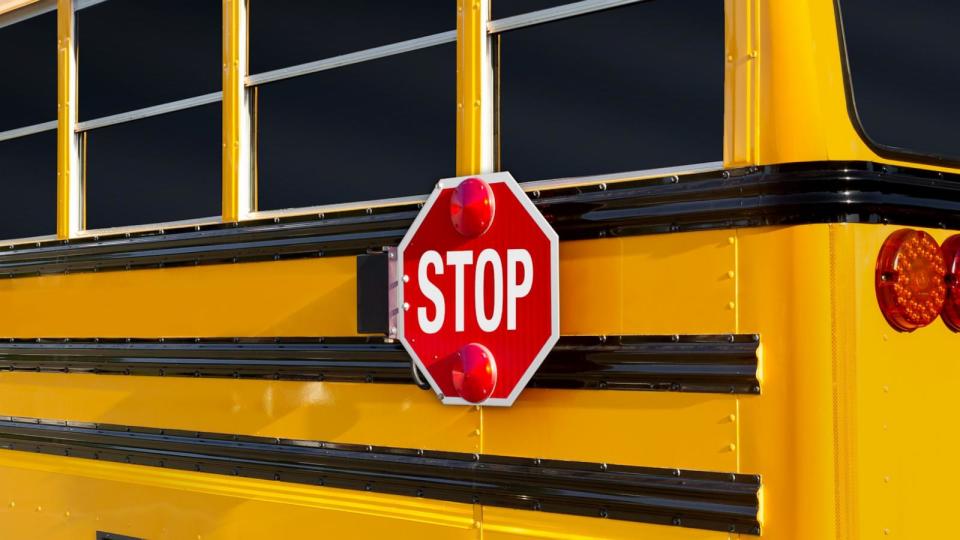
(147, 227)
(27, 130)
(557, 13)
(28, 11)
(528, 186)
(147, 112)
(39, 8)
(14, 242)
(352, 58)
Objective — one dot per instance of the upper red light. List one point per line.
(472, 207)
(951, 307)
(910, 279)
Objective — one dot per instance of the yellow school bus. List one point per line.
(756, 202)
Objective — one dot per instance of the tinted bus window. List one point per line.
(630, 88)
(28, 62)
(289, 32)
(28, 96)
(508, 8)
(134, 54)
(379, 129)
(903, 60)
(162, 168)
(28, 184)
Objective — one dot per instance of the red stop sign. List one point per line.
(478, 294)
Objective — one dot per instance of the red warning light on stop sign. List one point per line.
(479, 290)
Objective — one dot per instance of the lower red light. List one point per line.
(910, 280)
(476, 375)
(951, 307)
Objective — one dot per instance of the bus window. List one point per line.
(149, 76)
(509, 8)
(28, 114)
(380, 124)
(289, 32)
(635, 87)
(165, 168)
(902, 60)
(137, 54)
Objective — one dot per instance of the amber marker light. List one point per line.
(910, 279)
(951, 306)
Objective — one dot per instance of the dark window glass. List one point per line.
(162, 168)
(28, 186)
(289, 32)
(635, 87)
(903, 61)
(384, 128)
(28, 63)
(509, 8)
(137, 53)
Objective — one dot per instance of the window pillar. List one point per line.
(474, 88)
(238, 189)
(69, 177)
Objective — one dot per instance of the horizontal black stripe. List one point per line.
(816, 192)
(717, 363)
(707, 500)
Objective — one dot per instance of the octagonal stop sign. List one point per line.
(478, 294)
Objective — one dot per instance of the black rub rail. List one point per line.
(789, 194)
(705, 500)
(684, 363)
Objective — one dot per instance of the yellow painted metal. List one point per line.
(848, 432)
(649, 284)
(897, 440)
(508, 524)
(656, 429)
(361, 413)
(471, 44)
(67, 171)
(305, 297)
(645, 284)
(234, 73)
(47, 497)
(741, 100)
(787, 433)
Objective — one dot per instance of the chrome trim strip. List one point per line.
(534, 185)
(146, 227)
(28, 130)
(554, 14)
(352, 58)
(147, 112)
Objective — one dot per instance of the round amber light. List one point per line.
(910, 280)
